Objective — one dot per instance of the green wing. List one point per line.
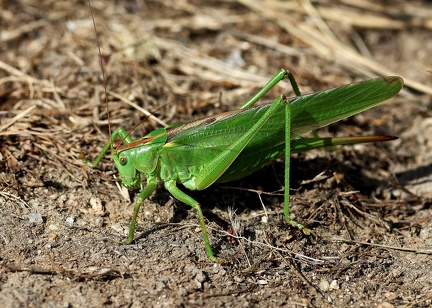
(191, 146)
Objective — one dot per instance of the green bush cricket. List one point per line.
(234, 144)
(231, 145)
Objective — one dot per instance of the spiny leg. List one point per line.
(181, 196)
(281, 75)
(293, 83)
(144, 193)
(287, 215)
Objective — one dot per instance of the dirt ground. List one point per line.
(369, 205)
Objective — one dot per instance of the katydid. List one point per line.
(234, 144)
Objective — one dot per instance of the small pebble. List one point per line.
(35, 218)
(70, 220)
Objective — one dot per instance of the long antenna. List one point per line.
(103, 71)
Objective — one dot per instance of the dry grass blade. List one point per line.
(215, 69)
(16, 33)
(415, 250)
(132, 104)
(16, 118)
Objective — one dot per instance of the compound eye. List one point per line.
(123, 160)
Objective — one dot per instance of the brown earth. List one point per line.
(370, 205)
